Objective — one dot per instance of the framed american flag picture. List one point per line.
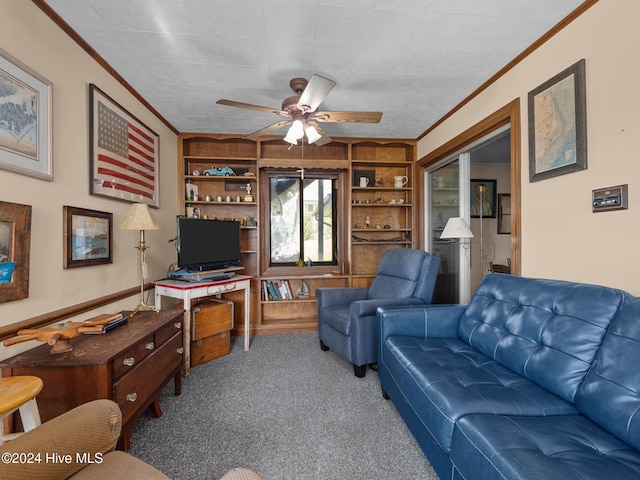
(125, 153)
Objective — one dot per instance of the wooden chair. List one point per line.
(496, 268)
(19, 393)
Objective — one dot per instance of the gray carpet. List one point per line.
(285, 409)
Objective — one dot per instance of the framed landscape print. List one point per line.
(125, 153)
(25, 120)
(88, 237)
(558, 125)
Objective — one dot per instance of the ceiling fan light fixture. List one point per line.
(296, 130)
(312, 134)
(290, 138)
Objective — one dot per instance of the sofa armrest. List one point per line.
(365, 308)
(435, 321)
(83, 435)
(328, 297)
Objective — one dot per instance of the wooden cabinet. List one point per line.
(222, 195)
(129, 365)
(387, 205)
(298, 313)
(382, 214)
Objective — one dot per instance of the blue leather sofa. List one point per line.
(534, 379)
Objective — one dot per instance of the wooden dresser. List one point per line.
(130, 365)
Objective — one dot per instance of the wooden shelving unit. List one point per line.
(389, 208)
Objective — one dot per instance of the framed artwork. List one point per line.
(15, 248)
(124, 153)
(25, 120)
(483, 198)
(504, 213)
(558, 125)
(88, 237)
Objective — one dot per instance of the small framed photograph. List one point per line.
(88, 237)
(558, 125)
(504, 213)
(125, 153)
(483, 198)
(15, 248)
(25, 120)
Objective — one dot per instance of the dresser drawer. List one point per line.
(168, 331)
(144, 379)
(130, 358)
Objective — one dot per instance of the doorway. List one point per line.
(460, 149)
(452, 186)
(490, 165)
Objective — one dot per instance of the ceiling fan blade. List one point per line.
(263, 131)
(324, 138)
(249, 106)
(352, 117)
(314, 93)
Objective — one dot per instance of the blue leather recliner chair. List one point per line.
(347, 321)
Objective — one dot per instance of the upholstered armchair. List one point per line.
(83, 442)
(347, 321)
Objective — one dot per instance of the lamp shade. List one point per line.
(456, 227)
(312, 134)
(139, 217)
(290, 138)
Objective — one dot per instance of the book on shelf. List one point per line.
(276, 290)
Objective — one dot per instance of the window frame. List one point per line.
(342, 213)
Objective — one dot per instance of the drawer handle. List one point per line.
(132, 397)
(150, 346)
(178, 324)
(180, 350)
(128, 362)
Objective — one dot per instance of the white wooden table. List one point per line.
(188, 291)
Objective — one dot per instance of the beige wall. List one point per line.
(30, 36)
(561, 237)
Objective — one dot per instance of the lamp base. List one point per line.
(143, 307)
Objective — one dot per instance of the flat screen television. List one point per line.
(205, 244)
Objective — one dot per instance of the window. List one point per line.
(303, 219)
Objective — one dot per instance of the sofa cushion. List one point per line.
(570, 447)
(445, 379)
(610, 394)
(548, 331)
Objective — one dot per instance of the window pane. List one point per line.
(285, 219)
(318, 220)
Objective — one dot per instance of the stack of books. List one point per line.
(276, 290)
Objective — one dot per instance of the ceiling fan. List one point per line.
(301, 112)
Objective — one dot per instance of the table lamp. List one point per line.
(139, 217)
(456, 228)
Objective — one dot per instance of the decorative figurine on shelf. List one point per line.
(303, 290)
(248, 197)
(379, 182)
(367, 222)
